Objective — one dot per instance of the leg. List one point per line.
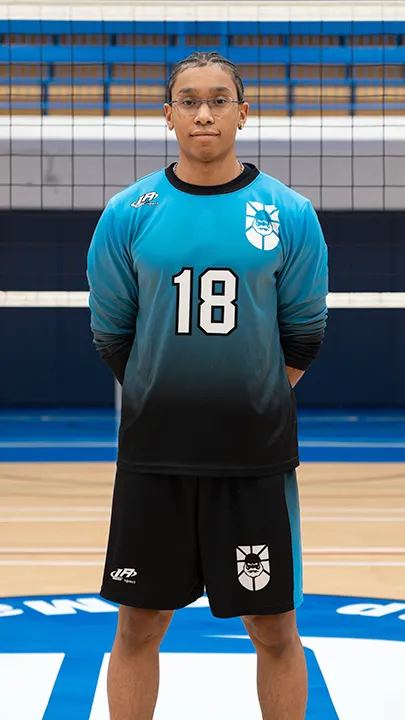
(133, 673)
(152, 562)
(281, 669)
(252, 566)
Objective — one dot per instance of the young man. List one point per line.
(207, 293)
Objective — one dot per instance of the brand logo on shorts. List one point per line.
(253, 566)
(146, 199)
(124, 574)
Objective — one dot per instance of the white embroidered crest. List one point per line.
(262, 225)
(253, 563)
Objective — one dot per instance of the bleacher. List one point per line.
(120, 68)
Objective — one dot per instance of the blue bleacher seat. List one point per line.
(119, 67)
(20, 99)
(131, 99)
(76, 99)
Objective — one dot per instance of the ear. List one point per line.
(243, 114)
(168, 115)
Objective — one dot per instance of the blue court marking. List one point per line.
(83, 628)
(77, 676)
(90, 435)
(320, 703)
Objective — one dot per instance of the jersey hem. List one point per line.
(246, 610)
(209, 471)
(124, 598)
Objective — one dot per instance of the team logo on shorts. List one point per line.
(253, 566)
(262, 225)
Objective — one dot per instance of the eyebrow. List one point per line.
(185, 91)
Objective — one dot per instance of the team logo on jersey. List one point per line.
(262, 225)
(146, 199)
(253, 566)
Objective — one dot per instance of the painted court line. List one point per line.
(354, 563)
(106, 508)
(109, 444)
(12, 417)
(15, 513)
(41, 444)
(97, 563)
(361, 516)
(355, 551)
(319, 509)
(51, 551)
(53, 519)
(110, 419)
(342, 419)
(94, 519)
(345, 444)
(98, 551)
(351, 519)
(51, 563)
(56, 508)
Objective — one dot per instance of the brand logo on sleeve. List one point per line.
(146, 199)
(262, 225)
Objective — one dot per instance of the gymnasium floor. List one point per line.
(56, 476)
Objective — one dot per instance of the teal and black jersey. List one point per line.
(199, 298)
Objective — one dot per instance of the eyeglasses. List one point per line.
(219, 106)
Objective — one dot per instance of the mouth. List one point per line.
(204, 134)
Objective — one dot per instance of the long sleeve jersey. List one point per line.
(199, 297)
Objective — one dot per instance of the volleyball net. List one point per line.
(81, 93)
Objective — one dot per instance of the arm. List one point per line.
(113, 298)
(302, 286)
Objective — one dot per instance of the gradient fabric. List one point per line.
(208, 293)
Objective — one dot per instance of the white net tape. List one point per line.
(206, 10)
(62, 299)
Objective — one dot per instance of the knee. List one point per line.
(277, 633)
(138, 628)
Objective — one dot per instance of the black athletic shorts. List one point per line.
(173, 536)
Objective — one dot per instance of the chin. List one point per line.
(207, 156)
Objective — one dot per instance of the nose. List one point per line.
(204, 114)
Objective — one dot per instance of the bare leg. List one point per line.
(282, 683)
(133, 673)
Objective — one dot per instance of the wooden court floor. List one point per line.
(54, 524)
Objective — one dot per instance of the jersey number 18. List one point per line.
(218, 295)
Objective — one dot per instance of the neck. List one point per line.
(212, 172)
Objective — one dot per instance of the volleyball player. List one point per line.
(207, 283)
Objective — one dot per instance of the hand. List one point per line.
(294, 375)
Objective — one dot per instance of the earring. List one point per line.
(240, 126)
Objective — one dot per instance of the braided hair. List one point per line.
(201, 59)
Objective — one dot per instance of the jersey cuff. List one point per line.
(300, 352)
(116, 353)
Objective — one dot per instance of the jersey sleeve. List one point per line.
(113, 297)
(302, 287)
